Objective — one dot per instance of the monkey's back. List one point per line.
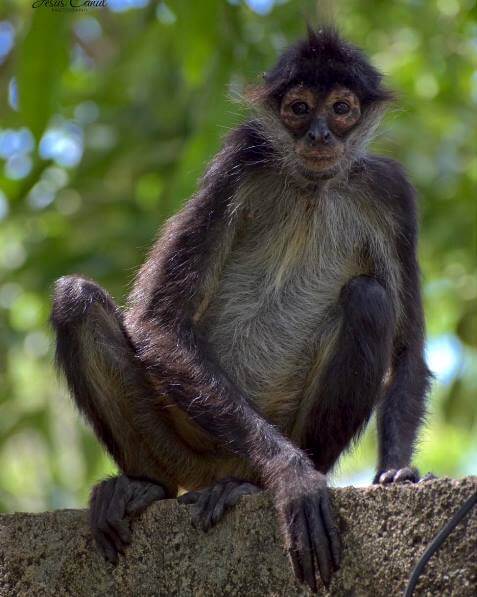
(274, 313)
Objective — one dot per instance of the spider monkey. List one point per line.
(276, 310)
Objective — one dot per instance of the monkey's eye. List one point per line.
(341, 108)
(300, 108)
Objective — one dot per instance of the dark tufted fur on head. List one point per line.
(320, 61)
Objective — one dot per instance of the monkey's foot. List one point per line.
(113, 503)
(211, 503)
(408, 473)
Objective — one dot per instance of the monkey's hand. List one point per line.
(211, 503)
(113, 503)
(311, 535)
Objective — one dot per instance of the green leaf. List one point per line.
(43, 57)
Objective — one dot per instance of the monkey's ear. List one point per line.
(256, 95)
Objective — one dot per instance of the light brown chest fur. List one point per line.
(274, 311)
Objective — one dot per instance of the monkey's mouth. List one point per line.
(318, 158)
(318, 161)
(327, 170)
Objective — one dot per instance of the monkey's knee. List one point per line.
(73, 298)
(367, 305)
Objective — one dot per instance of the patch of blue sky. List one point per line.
(261, 7)
(444, 356)
(18, 166)
(41, 195)
(15, 141)
(13, 94)
(63, 144)
(123, 5)
(7, 39)
(80, 60)
(88, 29)
(468, 465)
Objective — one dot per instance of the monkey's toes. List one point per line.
(408, 473)
(113, 503)
(210, 504)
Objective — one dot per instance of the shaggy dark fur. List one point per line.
(159, 397)
(320, 61)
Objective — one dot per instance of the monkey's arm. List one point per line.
(402, 409)
(172, 288)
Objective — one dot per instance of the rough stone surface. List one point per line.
(384, 531)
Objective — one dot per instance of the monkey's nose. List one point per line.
(323, 136)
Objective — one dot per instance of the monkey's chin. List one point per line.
(320, 170)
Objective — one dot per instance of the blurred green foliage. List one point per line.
(107, 119)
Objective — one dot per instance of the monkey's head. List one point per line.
(320, 104)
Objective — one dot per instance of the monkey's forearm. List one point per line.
(403, 406)
(196, 383)
(169, 294)
(402, 410)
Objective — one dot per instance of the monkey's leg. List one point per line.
(103, 374)
(105, 379)
(111, 387)
(349, 383)
(399, 416)
(210, 504)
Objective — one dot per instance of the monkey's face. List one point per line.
(319, 124)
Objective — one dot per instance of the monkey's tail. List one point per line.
(438, 541)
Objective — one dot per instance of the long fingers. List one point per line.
(207, 505)
(115, 514)
(144, 497)
(331, 531)
(113, 502)
(402, 475)
(319, 540)
(100, 499)
(314, 545)
(408, 473)
(211, 503)
(233, 491)
(301, 547)
(236, 491)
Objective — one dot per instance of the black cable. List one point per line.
(438, 541)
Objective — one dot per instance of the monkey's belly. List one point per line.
(272, 348)
(274, 308)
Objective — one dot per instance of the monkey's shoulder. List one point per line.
(245, 151)
(386, 180)
(245, 148)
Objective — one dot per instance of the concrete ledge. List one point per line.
(384, 532)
